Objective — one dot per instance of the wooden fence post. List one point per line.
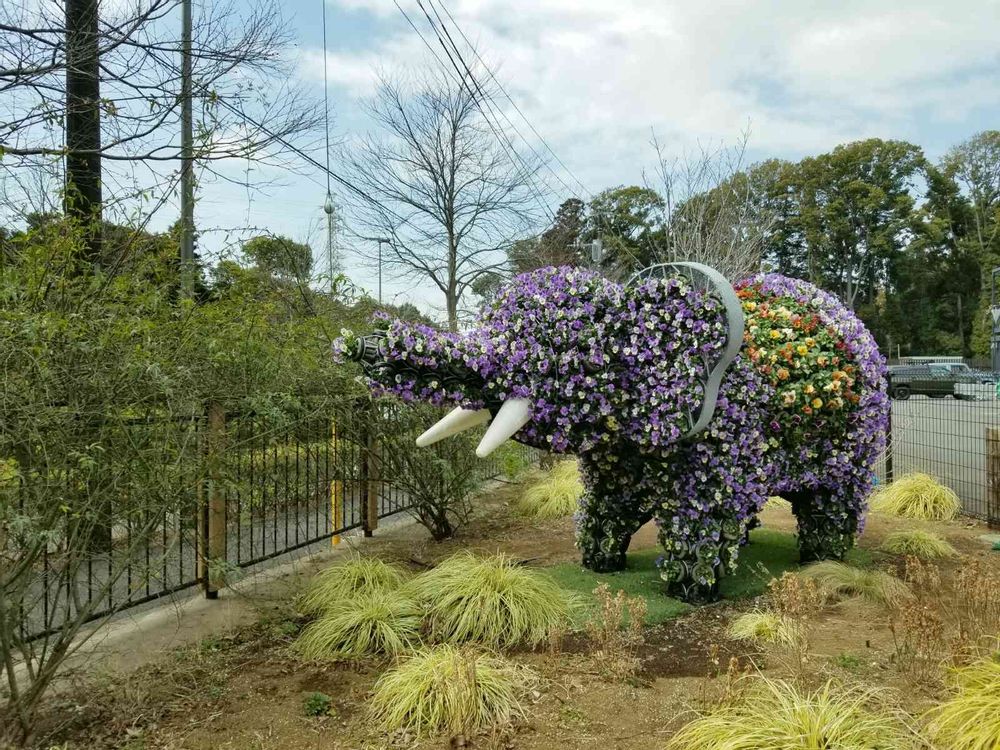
(213, 557)
(993, 477)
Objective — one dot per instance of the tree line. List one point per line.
(908, 243)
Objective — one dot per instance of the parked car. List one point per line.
(934, 380)
(966, 374)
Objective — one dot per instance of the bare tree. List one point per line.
(440, 181)
(98, 94)
(716, 211)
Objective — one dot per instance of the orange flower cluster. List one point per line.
(800, 355)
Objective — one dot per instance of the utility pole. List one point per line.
(379, 240)
(187, 156)
(83, 195)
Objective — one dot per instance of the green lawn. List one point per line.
(769, 554)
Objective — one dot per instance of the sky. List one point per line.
(598, 78)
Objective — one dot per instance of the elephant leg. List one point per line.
(604, 532)
(697, 554)
(827, 524)
(613, 508)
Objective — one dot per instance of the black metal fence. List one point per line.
(950, 428)
(197, 497)
(231, 491)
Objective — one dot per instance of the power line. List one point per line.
(508, 97)
(484, 97)
(507, 146)
(471, 75)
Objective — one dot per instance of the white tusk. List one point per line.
(452, 423)
(513, 415)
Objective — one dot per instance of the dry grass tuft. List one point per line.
(449, 688)
(763, 626)
(553, 494)
(923, 544)
(777, 715)
(377, 623)
(970, 719)
(615, 631)
(491, 600)
(918, 496)
(359, 575)
(839, 580)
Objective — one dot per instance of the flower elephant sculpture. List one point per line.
(688, 402)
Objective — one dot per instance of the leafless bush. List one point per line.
(716, 212)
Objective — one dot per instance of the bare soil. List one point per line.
(245, 690)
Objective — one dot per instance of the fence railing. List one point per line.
(254, 487)
(251, 487)
(954, 436)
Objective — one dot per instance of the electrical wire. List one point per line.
(510, 99)
(505, 143)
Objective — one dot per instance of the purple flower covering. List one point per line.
(615, 374)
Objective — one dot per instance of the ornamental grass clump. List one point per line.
(918, 496)
(764, 626)
(777, 715)
(370, 624)
(491, 600)
(838, 580)
(449, 688)
(970, 720)
(923, 544)
(776, 502)
(554, 494)
(359, 575)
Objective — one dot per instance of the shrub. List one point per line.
(554, 494)
(918, 496)
(378, 622)
(438, 480)
(317, 704)
(970, 720)
(923, 544)
(763, 626)
(839, 580)
(451, 688)
(514, 460)
(491, 600)
(775, 714)
(360, 575)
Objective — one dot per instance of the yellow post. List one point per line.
(336, 489)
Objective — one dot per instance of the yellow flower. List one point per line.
(802, 349)
(810, 341)
(749, 306)
(809, 389)
(775, 334)
(817, 403)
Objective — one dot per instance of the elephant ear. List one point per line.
(711, 281)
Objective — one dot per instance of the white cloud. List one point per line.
(808, 75)
(596, 77)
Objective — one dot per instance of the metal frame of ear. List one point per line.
(706, 277)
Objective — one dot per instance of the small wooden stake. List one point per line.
(993, 477)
